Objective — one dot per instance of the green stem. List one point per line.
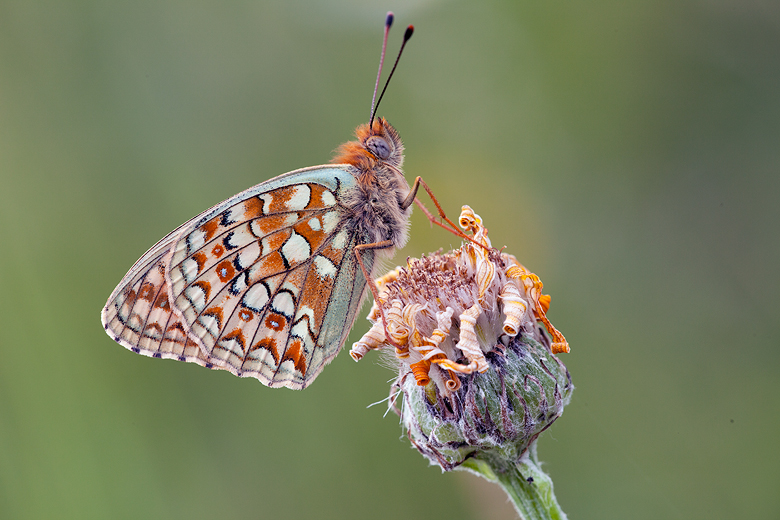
(529, 488)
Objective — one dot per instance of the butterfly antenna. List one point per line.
(407, 35)
(388, 24)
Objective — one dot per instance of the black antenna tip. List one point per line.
(389, 20)
(408, 33)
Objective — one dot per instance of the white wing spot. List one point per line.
(289, 286)
(264, 359)
(256, 297)
(340, 240)
(265, 247)
(315, 224)
(267, 198)
(249, 255)
(196, 239)
(301, 330)
(236, 213)
(257, 229)
(296, 249)
(283, 304)
(300, 198)
(234, 346)
(196, 296)
(305, 310)
(328, 199)
(211, 324)
(240, 238)
(330, 220)
(239, 284)
(325, 268)
(309, 313)
(189, 270)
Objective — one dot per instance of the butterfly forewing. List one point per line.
(264, 284)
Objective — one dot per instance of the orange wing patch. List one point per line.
(321, 197)
(315, 294)
(210, 228)
(274, 241)
(273, 263)
(277, 202)
(312, 231)
(200, 258)
(253, 208)
(264, 226)
(295, 354)
(275, 322)
(225, 271)
(260, 352)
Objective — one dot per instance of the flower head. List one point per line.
(477, 372)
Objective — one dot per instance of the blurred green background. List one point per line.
(628, 153)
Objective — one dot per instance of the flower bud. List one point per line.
(478, 373)
(495, 414)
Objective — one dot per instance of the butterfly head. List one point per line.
(376, 146)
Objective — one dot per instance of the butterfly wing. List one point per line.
(265, 284)
(138, 314)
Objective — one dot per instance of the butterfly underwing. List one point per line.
(268, 283)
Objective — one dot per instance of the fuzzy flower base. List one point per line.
(495, 414)
(478, 376)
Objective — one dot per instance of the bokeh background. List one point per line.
(628, 153)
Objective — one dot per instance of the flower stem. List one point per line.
(529, 488)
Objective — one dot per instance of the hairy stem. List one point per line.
(529, 488)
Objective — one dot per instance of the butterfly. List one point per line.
(268, 283)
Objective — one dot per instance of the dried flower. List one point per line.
(478, 374)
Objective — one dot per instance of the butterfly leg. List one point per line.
(371, 285)
(412, 197)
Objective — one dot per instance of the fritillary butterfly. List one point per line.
(267, 284)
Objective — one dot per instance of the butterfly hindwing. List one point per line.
(264, 285)
(139, 316)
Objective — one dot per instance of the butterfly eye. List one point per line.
(378, 147)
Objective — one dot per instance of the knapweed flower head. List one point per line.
(478, 373)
